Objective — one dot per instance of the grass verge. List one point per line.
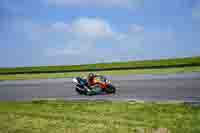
(97, 117)
(163, 63)
(121, 72)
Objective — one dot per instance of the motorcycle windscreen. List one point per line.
(75, 80)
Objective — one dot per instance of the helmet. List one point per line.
(91, 76)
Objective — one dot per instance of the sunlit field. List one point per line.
(97, 117)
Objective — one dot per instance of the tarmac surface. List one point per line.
(173, 87)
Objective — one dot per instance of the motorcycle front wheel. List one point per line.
(110, 89)
(80, 89)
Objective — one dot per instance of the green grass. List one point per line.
(121, 72)
(133, 64)
(97, 117)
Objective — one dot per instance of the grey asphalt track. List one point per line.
(181, 87)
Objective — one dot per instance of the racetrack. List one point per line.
(184, 87)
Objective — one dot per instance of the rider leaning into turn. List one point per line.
(92, 82)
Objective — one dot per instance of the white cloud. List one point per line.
(60, 26)
(60, 52)
(91, 28)
(73, 47)
(90, 40)
(83, 34)
(87, 40)
(98, 3)
(196, 10)
(81, 28)
(135, 28)
(74, 38)
(196, 13)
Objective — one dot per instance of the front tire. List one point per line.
(80, 90)
(111, 89)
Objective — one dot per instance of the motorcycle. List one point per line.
(83, 88)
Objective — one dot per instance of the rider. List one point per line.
(92, 82)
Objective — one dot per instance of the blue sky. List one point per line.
(65, 32)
